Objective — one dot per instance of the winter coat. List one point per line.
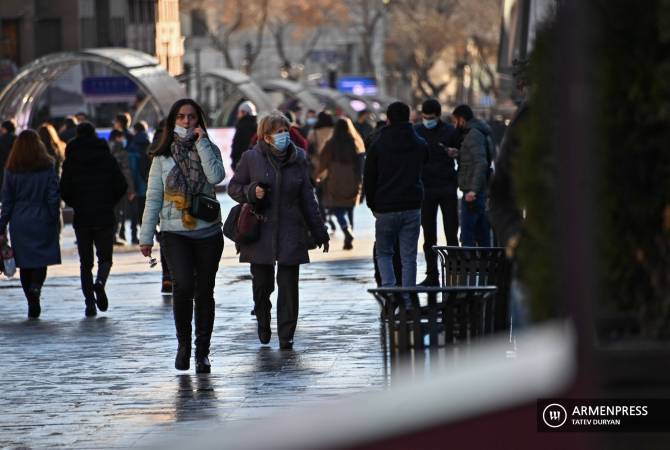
(290, 206)
(157, 209)
(393, 167)
(31, 207)
(91, 182)
(244, 131)
(342, 182)
(138, 160)
(121, 156)
(472, 161)
(440, 173)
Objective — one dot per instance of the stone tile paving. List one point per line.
(109, 381)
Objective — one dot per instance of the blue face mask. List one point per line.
(124, 142)
(432, 123)
(311, 120)
(281, 140)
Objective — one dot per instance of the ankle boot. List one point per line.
(348, 239)
(204, 323)
(90, 310)
(183, 359)
(264, 330)
(34, 308)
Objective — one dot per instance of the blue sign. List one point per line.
(358, 85)
(108, 87)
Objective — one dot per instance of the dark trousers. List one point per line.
(32, 279)
(121, 214)
(447, 202)
(263, 285)
(193, 264)
(343, 215)
(102, 239)
(475, 228)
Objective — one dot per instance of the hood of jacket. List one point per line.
(479, 125)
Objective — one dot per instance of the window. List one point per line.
(48, 36)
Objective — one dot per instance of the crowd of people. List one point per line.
(291, 177)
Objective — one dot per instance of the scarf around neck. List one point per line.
(186, 177)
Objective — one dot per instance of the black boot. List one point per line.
(100, 296)
(431, 280)
(204, 323)
(348, 239)
(183, 359)
(90, 310)
(34, 308)
(264, 330)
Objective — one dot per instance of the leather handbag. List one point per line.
(243, 224)
(205, 207)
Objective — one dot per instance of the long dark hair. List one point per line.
(323, 120)
(167, 135)
(341, 146)
(28, 154)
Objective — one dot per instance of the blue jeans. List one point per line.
(475, 228)
(403, 226)
(342, 215)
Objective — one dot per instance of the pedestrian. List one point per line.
(7, 137)
(394, 192)
(245, 129)
(274, 178)
(117, 145)
(296, 135)
(138, 159)
(186, 163)
(30, 205)
(363, 124)
(92, 184)
(440, 185)
(68, 130)
(317, 138)
(340, 175)
(310, 121)
(473, 169)
(121, 122)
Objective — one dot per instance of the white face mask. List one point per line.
(182, 132)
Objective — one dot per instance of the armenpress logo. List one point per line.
(554, 415)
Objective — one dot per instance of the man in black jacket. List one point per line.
(245, 129)
(92, 184)
(394, 193)
(440, 184)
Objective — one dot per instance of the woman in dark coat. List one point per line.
(92, 184)
(274, 177)
(30, 205)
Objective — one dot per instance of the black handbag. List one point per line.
(243, 224)
(205, 207)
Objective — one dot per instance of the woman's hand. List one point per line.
(200, 133)
(146, 250)
(260, 193)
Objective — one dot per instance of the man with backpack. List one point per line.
(474, 161)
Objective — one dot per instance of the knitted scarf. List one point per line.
(186, 177)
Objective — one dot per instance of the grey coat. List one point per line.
(290, 206)
(472, 162)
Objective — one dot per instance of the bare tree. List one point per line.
(366, 17)
(226, 21)
(301, 22)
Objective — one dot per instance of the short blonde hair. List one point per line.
(271, 123)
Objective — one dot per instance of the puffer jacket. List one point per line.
(158, 210)
(472, 161)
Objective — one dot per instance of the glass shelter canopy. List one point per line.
(19, 98)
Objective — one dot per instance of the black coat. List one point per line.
(244, 131)
(290, 206)
(91, 182)
(440, 173)
(392, 180)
